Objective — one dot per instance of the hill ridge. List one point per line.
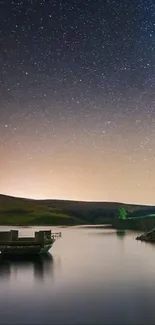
(25, 211)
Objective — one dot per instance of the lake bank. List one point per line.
(138, 224)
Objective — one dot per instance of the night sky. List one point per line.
(77, 99)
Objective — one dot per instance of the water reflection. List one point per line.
(94, 277)
(103, 233)
(120, 233)
(41, 266)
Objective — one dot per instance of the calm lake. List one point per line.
(94, 276)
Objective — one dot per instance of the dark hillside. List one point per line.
(63, 212)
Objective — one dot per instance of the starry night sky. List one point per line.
(77, 99)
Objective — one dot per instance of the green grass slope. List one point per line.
(20, 211)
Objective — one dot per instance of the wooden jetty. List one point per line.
(12, 244)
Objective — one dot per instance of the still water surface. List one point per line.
(94, 276)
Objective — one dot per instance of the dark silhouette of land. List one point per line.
(25, 212)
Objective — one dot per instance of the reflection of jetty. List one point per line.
(11, 244)
(40, 265)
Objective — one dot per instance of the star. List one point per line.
(77, 98)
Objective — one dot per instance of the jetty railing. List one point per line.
(54, 236)
(11, 237)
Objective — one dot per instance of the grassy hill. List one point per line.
(19, 211)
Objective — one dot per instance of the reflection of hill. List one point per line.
(120, 233)
(41, 265)
(103, 233)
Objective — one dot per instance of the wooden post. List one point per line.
(14, 235)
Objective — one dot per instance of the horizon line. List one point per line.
(71, 200)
